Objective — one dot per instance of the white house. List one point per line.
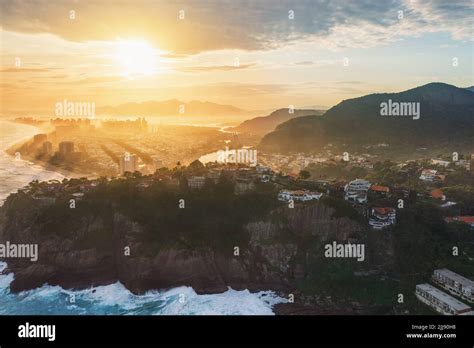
(356, 191)
(382, 217)
(428, 174)
(439, 162)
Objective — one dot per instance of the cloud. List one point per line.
(253, 25)
(22, 70)
(195, 69)
(317, 63)
(96, 80)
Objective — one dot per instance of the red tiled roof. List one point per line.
(465, 219)
(383, 210)
(437, 193)
(379, 188)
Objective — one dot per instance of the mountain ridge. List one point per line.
(357, 122)
(263, 124)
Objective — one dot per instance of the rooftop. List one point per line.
(379, 188)
(443, 297)
(384, 210)
(456, 277)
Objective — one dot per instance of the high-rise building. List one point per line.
(128, 163)
(47, 148)
(66, 147)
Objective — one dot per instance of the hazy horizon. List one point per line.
(291, 53)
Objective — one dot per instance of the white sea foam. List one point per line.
(116, 299)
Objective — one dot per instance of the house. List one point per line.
(356, 191)
(440, 301)
(356, 197)
(359, 185)
(382, 217)
(455, 283)
(298, 195)
(380, 190)
(428, 174)
(439, 162)
(437, 194)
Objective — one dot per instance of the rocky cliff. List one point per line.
(95, 252)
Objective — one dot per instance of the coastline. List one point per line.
(15, 174)
(24, 171)
(9, 149)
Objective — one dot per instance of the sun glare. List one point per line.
(136, 57)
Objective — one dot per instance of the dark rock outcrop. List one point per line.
(273, 259)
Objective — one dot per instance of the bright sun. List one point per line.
(136, 57)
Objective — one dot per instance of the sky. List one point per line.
(256, 55)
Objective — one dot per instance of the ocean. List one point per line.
(113, 299)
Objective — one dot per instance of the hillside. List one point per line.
(445, 122)
(265, 124)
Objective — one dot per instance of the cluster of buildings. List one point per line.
(296, 163)
(244, 178)
(432, 175)
(442, 302)
(140, 125)
(66, 151)
(357, 192)
(465, 163)
(435, 176)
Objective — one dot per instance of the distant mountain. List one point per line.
(264, 124)
(172, 107)
(470, 88)
(446, 121)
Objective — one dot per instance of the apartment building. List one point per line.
(455, 283)
(440, 301)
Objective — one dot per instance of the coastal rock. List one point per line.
(94, 253)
